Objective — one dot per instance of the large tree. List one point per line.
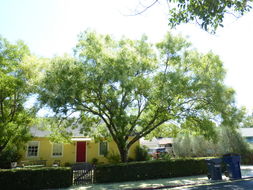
(15, 87)
(209, 14)
(126, 89)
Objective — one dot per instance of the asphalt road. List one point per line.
(234, 185)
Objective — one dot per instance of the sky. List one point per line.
(51, 28)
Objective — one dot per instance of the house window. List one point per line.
(103, 148)
(33, 149)
(57, 149)
(249, 139)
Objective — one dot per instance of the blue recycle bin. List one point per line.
(232, 162)
(214, 169)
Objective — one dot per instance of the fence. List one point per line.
(82, 173)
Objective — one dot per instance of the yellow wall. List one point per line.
(93, 151)
(45, 152)
(69, 152)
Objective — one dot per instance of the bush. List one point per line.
(67, 164)
(8, 156)
(165, 156)
(149, 170)
(246, 158)
(141, 153)
(40, 178)
(94, 161)
(113, 158)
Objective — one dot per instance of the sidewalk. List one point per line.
(247, 171)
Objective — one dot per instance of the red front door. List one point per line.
(80, 151)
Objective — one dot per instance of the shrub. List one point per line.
(246, 158)
(149, 170)
(94, 161)
(67, 164)
(165, 156)
(141, 153)
(113, 158)
(8, 156)
(40, 178)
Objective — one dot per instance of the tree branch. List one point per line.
(144, 133)
(14, 107)
(140, 111)
(108, 125)
(145, 9)
(2, 109)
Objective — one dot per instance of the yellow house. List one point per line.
(80, 149)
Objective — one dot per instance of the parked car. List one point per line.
(156, 153)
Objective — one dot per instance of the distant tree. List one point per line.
(182, 145)
(232, 141)
(126, 89)
(15, 88)
(228, 140)
(209, 14)
(248, 121)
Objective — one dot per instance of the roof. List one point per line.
(163, 141)
(39, 132)
(149, 143)
(155, 142)
(246, 132)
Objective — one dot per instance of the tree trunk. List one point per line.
(123, 154)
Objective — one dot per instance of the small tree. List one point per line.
(126, 89)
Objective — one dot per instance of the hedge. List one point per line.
(39, 178)
(149, 170)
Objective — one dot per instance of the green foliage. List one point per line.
(113, 158)
(182, 146)
(94, 161)
(165, 156)
(246, 158)
(141, 153)
(247, 120)
(67, 164)
(15, 88)
(232, 141)
(7, 156)
(123, 88)
(228, 141)
(58, 133)
(42, 178)
(209, 14)
(149, 170)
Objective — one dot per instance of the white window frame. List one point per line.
(52, 152)
(99, 148)
(38, 151)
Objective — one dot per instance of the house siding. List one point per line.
(45, 152)
(69, 152)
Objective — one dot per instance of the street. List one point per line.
(234, 185)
